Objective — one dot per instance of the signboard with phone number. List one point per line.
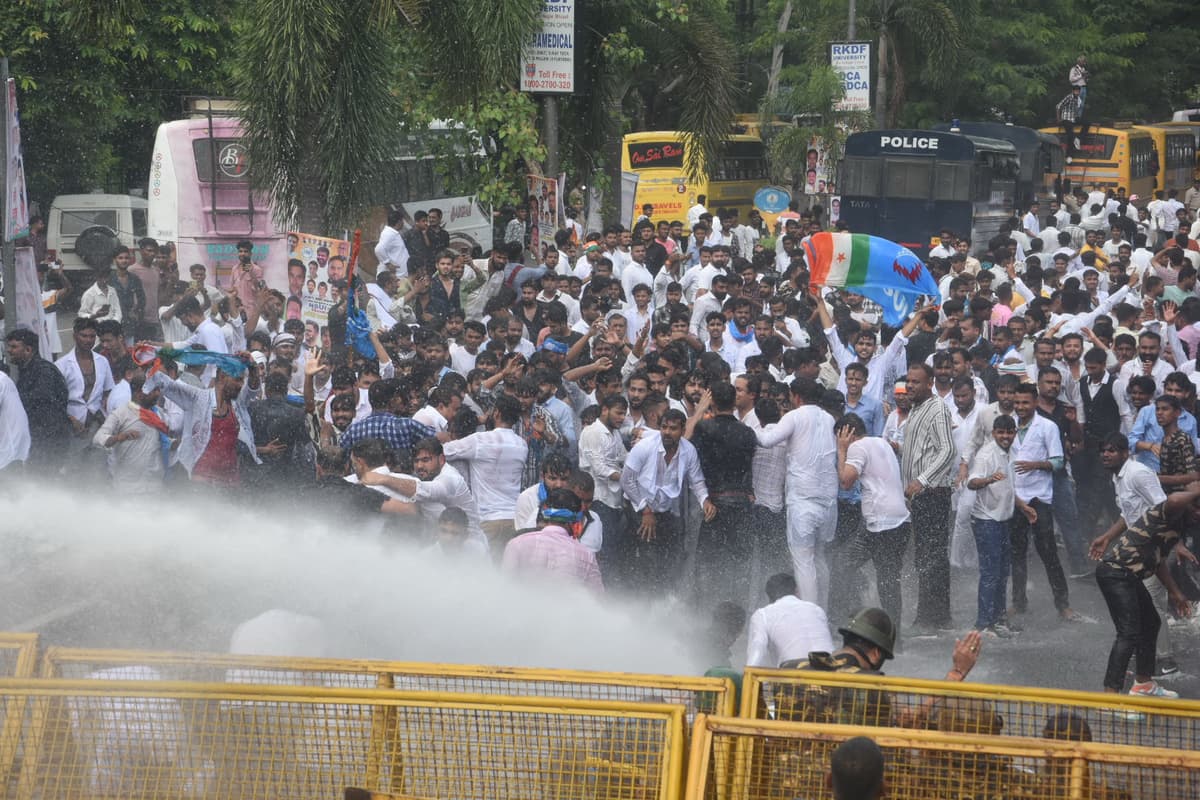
(548, 59)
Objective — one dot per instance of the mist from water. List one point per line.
(101, 572)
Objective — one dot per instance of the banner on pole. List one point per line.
(548, 60)
(30, 313)
(16, 202)
(852, 61)
(543, 211)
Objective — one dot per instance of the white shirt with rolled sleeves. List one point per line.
(95, 299)
(1137, 489)
(994, 501)
(787, 629)
(650, 481)
(392, 252)
(495, 460)
(812, 453)
(197, 406)
(878, 367)
(449, 489)
(136, 465)
(883, 505)
(79, 406)
(1039, 442)
(601, 453)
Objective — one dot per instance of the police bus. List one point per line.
(908, 185)
(1041, 156)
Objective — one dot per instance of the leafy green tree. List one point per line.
(94, 81)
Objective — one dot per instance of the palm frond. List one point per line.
(473, 45)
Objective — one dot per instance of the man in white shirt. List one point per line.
(14, 424)
(441, 407)
(786, 629)
(602, 455)
(435, 487)
(693, 214)
(883, 537)
(1168, 222)
(496, 460)
(1030, 221)
(135, 434)
(464, 352)
(89, 380)
(635, 272)
(100, 301)
(653, 479)
(812, 484)
(204, 332)
(990, 478)
(1037, 453)
(391, 250)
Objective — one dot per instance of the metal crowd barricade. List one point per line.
(694, 694)
(857, 699)
(742, 759)
(136, 740)
(18, 659)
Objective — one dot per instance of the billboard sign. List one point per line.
(548, 60)
(852, 61)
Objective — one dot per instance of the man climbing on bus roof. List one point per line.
(1070, 110)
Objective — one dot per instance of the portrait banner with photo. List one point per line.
(315, 266)
(818, 167)
(544, 210)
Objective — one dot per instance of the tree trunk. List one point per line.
(881, 78)
(777, 52)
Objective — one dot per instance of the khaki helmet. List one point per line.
(875, 626)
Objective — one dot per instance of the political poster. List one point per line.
(544, 211)
(16, 202)
(315, 264)
(29, 300)
(548, 60)
(852, 61)
(818, 167)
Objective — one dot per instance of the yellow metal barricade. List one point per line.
(695, 694)
(857, 699)
(131, 740)
(18, 654)
(18, 659)
(740, 759)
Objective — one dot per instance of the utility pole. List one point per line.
(8, 253)
(852, 27)
(550, 133)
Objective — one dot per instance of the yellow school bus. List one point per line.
(658, 159)
(1109, 158)
(1192, 127)
(1176, 156)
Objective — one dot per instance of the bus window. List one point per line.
(1143, 161)
(861, 176)
(908, 177)
(952, 181)
(230, 160)
(1180, 151)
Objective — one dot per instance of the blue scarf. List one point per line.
(739, 337)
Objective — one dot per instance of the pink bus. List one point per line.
(199, 198)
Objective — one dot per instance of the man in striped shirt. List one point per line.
(927, 460)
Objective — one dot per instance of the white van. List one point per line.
(124, 216)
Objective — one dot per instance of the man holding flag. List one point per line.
(883, 271)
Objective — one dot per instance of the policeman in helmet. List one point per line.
(869, 639)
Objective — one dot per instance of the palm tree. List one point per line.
(652, 64)
(929, 27)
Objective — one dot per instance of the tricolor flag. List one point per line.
(884, 271)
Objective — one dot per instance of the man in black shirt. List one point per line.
(43, 392)
(726, 450)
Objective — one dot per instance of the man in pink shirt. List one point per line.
(554, 551)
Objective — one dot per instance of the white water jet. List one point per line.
(184, 574)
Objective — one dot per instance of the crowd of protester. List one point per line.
(674, 411)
